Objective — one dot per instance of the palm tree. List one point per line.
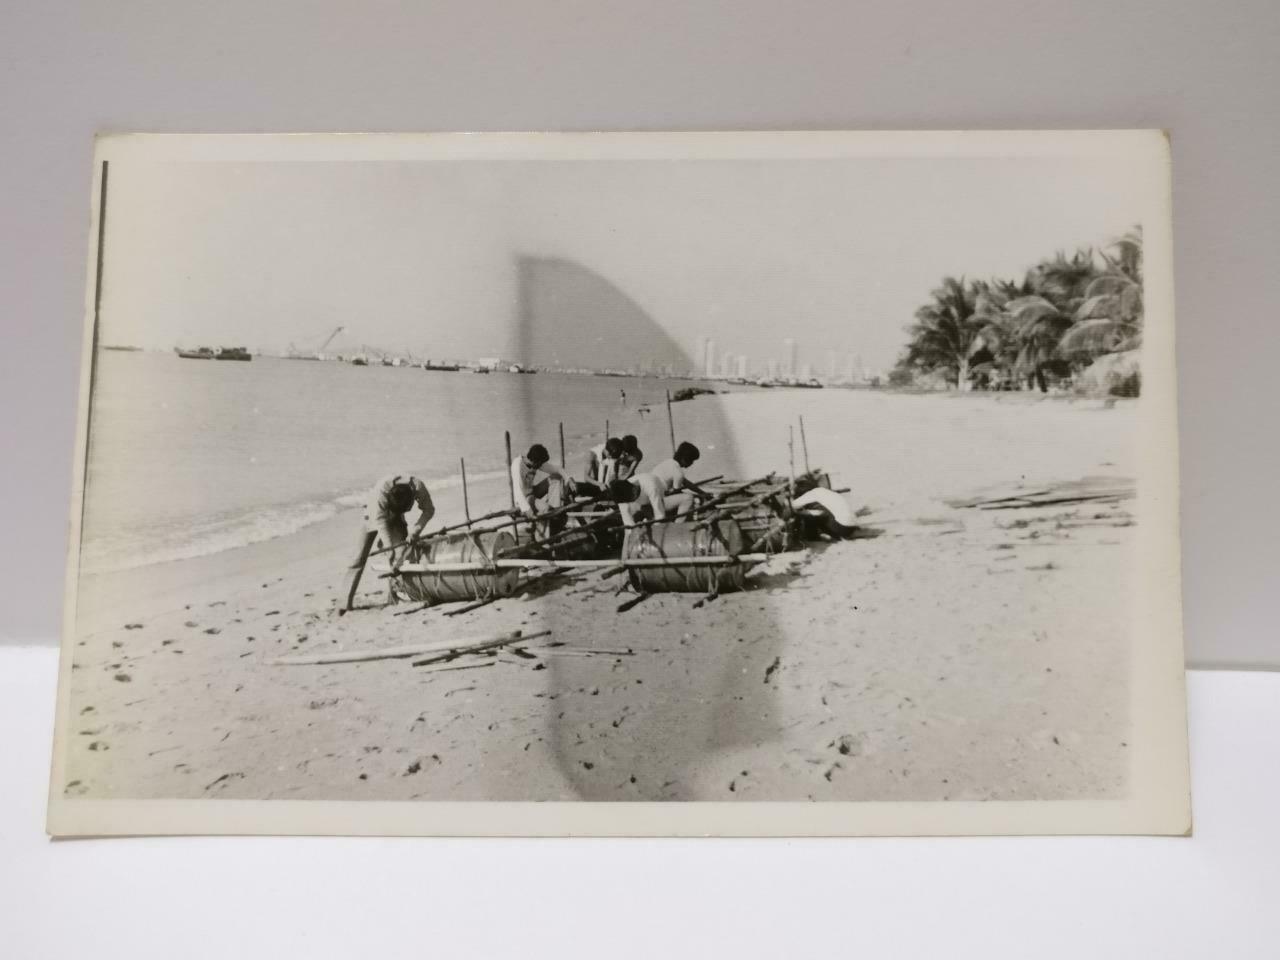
(946, 333)
(1109, 316)
(1066, 311)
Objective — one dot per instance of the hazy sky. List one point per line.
(422, 255)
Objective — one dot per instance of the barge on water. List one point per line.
(210, 353)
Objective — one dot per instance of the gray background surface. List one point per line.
(1207, 72)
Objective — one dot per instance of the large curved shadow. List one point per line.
(701, 693)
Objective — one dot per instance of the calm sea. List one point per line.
(191, 457)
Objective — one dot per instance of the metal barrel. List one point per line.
(768, 525)
(679, 540)
(474, 547)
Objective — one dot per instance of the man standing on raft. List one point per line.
(385, 526)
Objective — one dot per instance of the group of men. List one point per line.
(611, 473)
(540, 488)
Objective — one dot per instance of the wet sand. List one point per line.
(946, 653)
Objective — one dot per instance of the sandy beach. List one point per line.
(859, 670)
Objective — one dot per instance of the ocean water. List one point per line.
(191, 457)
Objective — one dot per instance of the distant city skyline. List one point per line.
(445, 260)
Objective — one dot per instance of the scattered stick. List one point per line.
(405, 613)
(459, 666)
(473, 606)
(589, 652)
(396, 653)
(624, 607)
(478, 646)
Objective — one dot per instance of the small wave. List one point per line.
(211, 535)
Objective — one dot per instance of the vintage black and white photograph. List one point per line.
(695, 483)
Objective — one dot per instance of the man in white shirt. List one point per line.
(539, 496)
(665, 489)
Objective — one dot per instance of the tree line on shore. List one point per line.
(1071, 321)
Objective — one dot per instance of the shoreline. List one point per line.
(853, 672)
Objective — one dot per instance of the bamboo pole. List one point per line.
(791, 454)
(395, 653)
(562, 463)
(466, 500)
(442, 532)
(721, 497)
(671, 424)
(511, 480)
(606, 429)
(448, 652)
(521, 563)
(804, 444)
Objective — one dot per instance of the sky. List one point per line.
(424, 257)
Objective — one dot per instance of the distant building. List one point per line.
(789, 358)
(742, 366)
(708, 357)
(771, 369)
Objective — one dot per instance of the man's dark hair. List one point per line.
(630, 444)
(613, 447)
(402, 496)
(623, 491)
(687, 453)
(538, 454)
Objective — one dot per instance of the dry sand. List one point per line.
(949, 654)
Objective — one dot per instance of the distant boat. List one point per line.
(480, 370)
(447, 367)
(359, 362)
(209, 353)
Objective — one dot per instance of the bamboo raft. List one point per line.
(708, 550)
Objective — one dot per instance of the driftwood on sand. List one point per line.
(1112, 489)
(446, 647)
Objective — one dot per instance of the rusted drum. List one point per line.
(596, 533)
(681, 541)
(464, 585)
(768, 525)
